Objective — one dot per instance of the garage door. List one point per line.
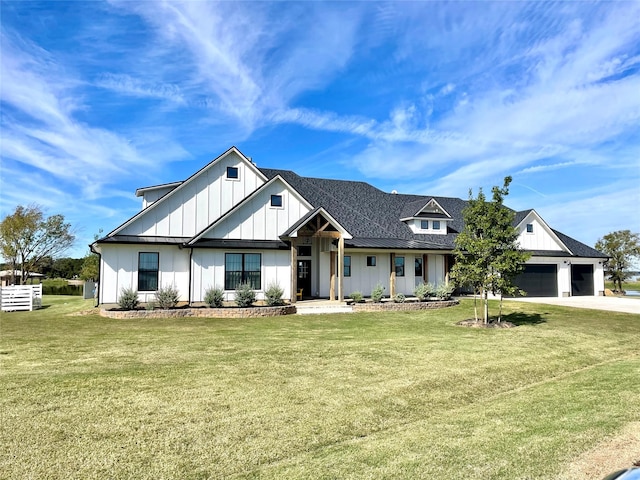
(581, 280)
(538, 280)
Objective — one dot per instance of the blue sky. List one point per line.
(101, 98)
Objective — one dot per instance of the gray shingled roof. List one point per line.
(372, 216)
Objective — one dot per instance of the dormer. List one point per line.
(429, 219)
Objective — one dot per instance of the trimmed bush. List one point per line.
(356, 296)
(444, 291)
(214, 297)
(399, 298)
(273, 295)
(128, 299)
(167, 296)
(245, 296)
(377, 294)
(424, 291)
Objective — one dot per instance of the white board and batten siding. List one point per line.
(197, 203)
(541, 238)
(209, 271)
(258, 220)
(364, 278)
(119, 269)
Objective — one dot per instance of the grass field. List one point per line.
(630, 285)
(389, 395)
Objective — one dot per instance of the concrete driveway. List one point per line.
(610, 304)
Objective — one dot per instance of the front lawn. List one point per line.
(368, 395)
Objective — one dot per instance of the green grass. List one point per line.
(388, 395)
(630, 285)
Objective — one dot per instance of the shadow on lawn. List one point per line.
(519, 318)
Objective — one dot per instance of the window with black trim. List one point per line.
(529, 227)
(233, 173)
(148, 267)
(304, 250)
(242, 268)
(371, 261)
(435, 224)
(424, 224)
(399, 266)
(347, 266)
(276, 200)
(418, 266)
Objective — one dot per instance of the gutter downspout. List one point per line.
(99, 289)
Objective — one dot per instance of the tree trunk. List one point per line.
(485, 296)
(475, 304)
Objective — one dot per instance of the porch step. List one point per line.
(312, 308)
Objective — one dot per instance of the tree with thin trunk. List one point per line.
(27, 237)
(621, 247)
(487, 253)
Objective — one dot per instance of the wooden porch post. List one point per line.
(294, 271)
(341, 268)
(392, 275)
(425, 266)
(447, 268)
(332, 272)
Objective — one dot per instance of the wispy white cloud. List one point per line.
(249, 62)
(41, 129)
(127, 85)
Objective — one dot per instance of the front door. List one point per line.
(304, 277)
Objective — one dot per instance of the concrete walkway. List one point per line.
(310, 307)
(610, 304)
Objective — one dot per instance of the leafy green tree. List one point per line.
(27, 237)
(67, 267)
(487, 253)
(621, 247)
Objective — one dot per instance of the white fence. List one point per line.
(21, 297)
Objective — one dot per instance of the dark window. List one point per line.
(371, 261)
(424, 224)
(276, 200)
(304, 250)
(242, 268)
(418, 266)
(347, 266)
(148, 263)
(399, 266)
(435, 224)
(529, 227)
(232, 172)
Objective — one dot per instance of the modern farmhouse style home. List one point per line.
(233, 222)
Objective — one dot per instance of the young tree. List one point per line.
(622, 247)
(487, 253)
(26, 237)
